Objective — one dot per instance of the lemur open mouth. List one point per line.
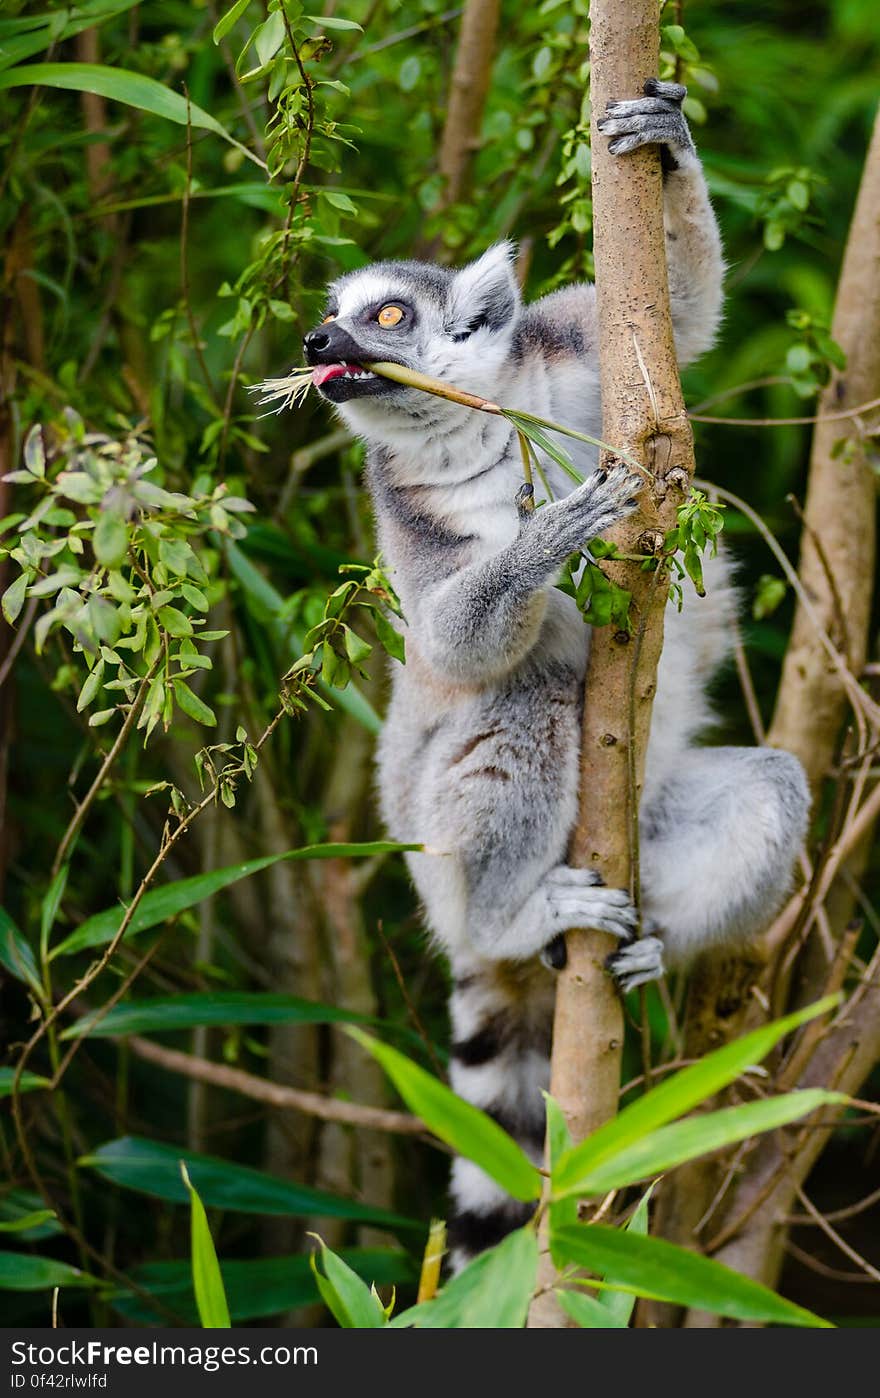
(346, 379)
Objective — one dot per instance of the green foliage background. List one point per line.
(152, 271)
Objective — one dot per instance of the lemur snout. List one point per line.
(315, 342)
(330, 344)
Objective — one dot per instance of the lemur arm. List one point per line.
(479, 623)
(694, 260)
(693, 243)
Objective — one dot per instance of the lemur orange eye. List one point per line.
(390, 316)
(326, 319)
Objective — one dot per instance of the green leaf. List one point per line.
(176, 622)
(30, 1222)
(20, 1271)
(229, 20)
(345, 1295)
(255, 1287)
(493, 1291)
(192, 705)
(207, 1281)
(686, 1140)
(119, 85)
(410, 72)
(618, 1303)
(45, 29)
(30, 1082)
(678, 1095)
(356, 648)
(333, 22)
(173, 1013)
(13, 598)
(390, 640)
(464, 1127)
(589, 1312)
(91, 686)
(18, 1204)
(540, 439)
(49, 910)
(563, 1212)
(174, 898)
(265, 601)
(110, 539)
(653, 1267)
(152, 1168)
(16, 955)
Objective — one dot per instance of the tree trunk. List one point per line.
(643, 415)
(471, 76)
(837, 547)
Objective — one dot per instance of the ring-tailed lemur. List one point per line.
(479, 754)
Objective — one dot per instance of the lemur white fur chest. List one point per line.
(479, 756)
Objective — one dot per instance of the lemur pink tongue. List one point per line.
(322, 372)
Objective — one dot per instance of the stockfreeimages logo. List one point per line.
(93, 1354)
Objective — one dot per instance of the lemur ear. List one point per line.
(484, 293)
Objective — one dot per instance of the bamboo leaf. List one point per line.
(699, 1135)
(165, 1014)
(27, 1223)
(256, 1288)
(678, 1095)
(493, 1291)
(590, 1312)
(618, 1303)
(120, 85)
(207, 1281)
(31, 34)
(16, 955)
(653, 1267)
(174, 898)
(149, 1167)
(29, 1082)
(345, 1295)
(464, 1127)
(21, 1271)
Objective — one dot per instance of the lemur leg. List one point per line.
(502, 795)
(693, 243)
(719, 838)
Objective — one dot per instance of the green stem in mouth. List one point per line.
(400, 374)
(526, 424)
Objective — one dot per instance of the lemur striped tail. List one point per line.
(501, 1016)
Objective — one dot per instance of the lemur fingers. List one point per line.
(655, 119)
(578, 898)
(602, 500)
(637, 963)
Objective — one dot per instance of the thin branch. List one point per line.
(274, 1094)
(844, 415)
(88, 800)
(839, 1242)
(30, 612)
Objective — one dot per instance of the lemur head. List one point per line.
(452, 325)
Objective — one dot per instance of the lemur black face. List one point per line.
(339, 349)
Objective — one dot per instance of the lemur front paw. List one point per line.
(636, 963)
(603, 499)
(653, 120)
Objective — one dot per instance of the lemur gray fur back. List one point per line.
(479, 753)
